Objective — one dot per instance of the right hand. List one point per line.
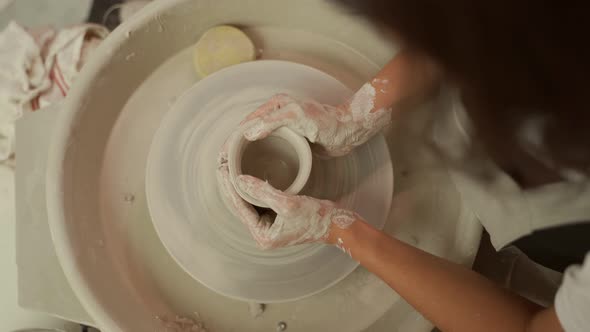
(298, 219)
(335, 130)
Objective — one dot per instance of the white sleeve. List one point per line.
(572, 302)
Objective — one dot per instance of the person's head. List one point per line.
(519, 64)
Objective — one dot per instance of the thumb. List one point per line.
(264, 192)
(255, 127)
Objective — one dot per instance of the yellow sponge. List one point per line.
(220, 47)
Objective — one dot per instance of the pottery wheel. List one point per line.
(191, 218)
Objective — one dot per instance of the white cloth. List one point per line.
(572, 302)
(5, 3)
(37, 68)
(506, 211)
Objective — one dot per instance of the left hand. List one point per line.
(335, 130)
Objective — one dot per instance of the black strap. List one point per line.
(557, 247)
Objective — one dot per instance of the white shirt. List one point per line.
(508, 213)
(572, 302)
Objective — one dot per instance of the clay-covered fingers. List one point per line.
(275, 102)
(262, 232)
(277, 200)
(240, 208)
(261, 127)
(283, 111)
(270, 233)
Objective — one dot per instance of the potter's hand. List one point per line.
(403, 83)
(236, 204)
(335, 130)
(299, 219)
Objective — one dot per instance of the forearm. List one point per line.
(451, 296)
(405, 80)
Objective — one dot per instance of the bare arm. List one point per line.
(451, 296)
(404, 80)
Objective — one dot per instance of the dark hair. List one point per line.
(512, 59)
